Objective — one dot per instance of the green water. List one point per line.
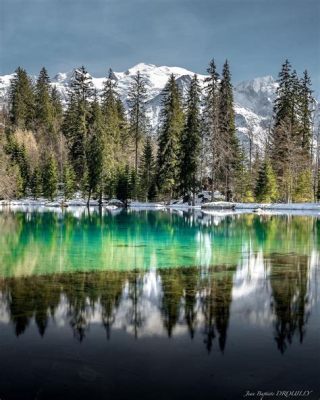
(34, 243)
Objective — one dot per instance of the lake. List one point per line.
(158, 305)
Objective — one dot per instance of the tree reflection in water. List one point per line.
(181, 298)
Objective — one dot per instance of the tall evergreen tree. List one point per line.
(305, 113)
(227, 130)
(214, 149)
(95, 151)
(123, 187)
(243, 180)
(266, 187)
(190, 142)
(112, 113)
(75, 124)
(69, 185)
(50, 178)
(36, 184)
(172, 124)
(138, 119)
(43, 104)
(147, 166)
(21, 100)
(57, 111)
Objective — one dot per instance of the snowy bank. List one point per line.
(278, 206)
(218, 205)
(260, 207)
(144, 205)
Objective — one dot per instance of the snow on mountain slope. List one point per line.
(253, 99)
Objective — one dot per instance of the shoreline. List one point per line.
(214, 208)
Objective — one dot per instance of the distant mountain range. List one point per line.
(253, 99)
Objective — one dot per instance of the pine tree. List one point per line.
(123, 187)
(146, 179)
(21, 100)
(18, 155)
(112, 114)
(243, 180)
(282, 106)
(305, 113)
(95, 151)
(172, 124)
(81, 85)
(214, 148)
(43, 104)
(266, 187)
(35, 183)
(190, 141)
(75, 124)
(50, 178)
(69, 185)
(57, 111)
(138, 119)
(227, 130)
(303, 190)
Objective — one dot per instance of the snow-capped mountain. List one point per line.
(253, 99)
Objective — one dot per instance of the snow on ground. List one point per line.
(221, 207)
(145, 205)
(278, 206)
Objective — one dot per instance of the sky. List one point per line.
(256, 36)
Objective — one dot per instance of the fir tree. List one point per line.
(112, 114)
(138, 119)
(95, 151)
(50, 178)
(305, 113)
(43, 104)
(266, 187)
(243, 180)
(57, 111)
(282, 106)
(81, 85)
(123, 187)
(75, 125)
(190, 141)
(147, 171)
(69, 184)
(19, 157)
(36, 182)
(303, 190)
(213, 149)
(172, 124)
(21, 100)
(229, 141)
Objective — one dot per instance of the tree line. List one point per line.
(97, 146)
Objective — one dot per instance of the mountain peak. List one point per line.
(142, 67)
(261, 84)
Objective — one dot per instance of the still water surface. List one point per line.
(158, 305)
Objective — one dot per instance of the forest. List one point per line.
(95, 145)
